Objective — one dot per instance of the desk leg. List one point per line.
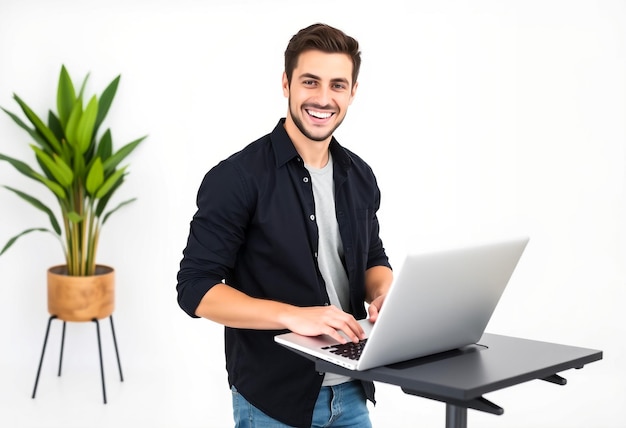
(456, 417)
(456, 410)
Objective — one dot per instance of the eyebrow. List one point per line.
(334, 80)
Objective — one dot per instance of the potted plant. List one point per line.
(82, 171)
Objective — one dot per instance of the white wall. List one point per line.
(482, 117)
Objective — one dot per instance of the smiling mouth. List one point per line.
(319, 115)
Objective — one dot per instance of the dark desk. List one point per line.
(459, 378)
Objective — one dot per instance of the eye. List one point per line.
(308, 82)
(339, 86)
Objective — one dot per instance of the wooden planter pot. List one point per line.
(81, 298)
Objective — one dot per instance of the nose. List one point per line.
(323, 96)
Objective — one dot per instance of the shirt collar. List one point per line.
(284, 150)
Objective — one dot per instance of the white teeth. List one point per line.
(319, 115)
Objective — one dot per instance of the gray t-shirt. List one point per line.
(330, 247)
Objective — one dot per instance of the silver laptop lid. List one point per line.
(441, 300)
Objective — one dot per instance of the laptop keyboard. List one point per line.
(349, 350)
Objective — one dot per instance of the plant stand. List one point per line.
(95, 320)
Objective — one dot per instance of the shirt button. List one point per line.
(305, 179)
(312, 217)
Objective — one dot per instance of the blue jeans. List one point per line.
(336, 406)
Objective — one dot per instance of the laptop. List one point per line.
(439, 301)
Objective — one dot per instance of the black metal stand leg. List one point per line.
(117, 354)
(456, 417)
(45, 344)
(62, 346)
(43, 351)
(104, 393)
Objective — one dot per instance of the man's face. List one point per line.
(319, 94)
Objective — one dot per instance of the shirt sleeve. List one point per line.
(216, 233)
(376, 255)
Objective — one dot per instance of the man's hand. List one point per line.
(377, 283)
(375, 306)
(330, 320)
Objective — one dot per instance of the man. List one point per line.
(286, 238)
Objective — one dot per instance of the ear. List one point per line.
(285, 85)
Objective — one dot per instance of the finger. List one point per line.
(335, 335)
(345, 326)
(374, 308)
(373, 312)
(353, 331)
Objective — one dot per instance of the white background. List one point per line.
(479, 118)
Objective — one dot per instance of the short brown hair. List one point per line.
(324, 38)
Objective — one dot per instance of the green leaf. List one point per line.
(105, 148)
(16, 237)
(21, 167)
(66, 96)
(104, 201)
(95, 177)
(54, 188)
(39, 205)
(55, 126)
(60, 171)
(106, 216)
(110, 182)
(106, 99)
(112, 162)
(84, 130)
(83, 86)
(33, 133)
(78, 163)
(64, 168)
(30, 173)
(39, 125)
(72, 123)
(74, 217)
